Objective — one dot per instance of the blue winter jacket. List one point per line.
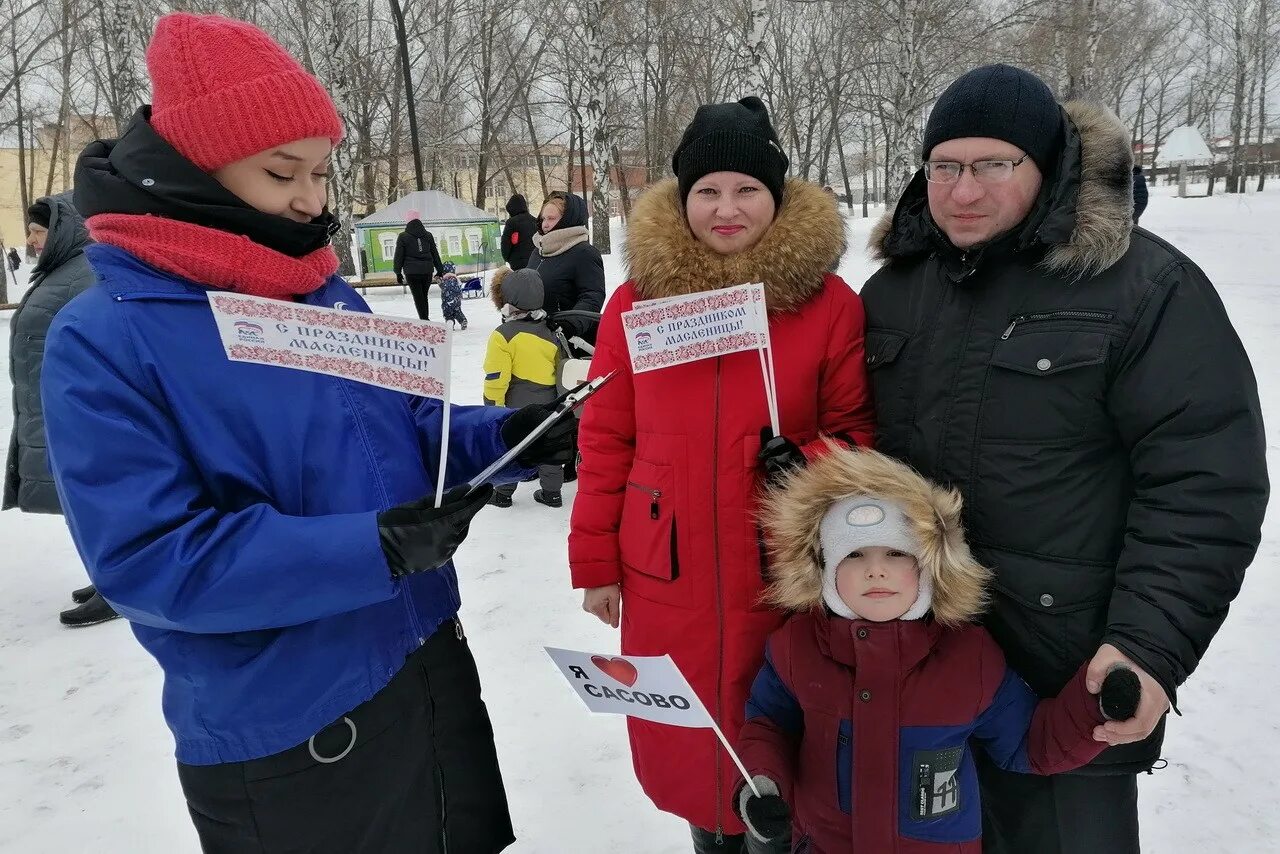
(228, 510)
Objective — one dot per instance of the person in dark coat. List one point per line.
(1140, 194)
(571, 268)
(15, 260)
(57, 235)
(417, 258)
(517, 235)
(1078, 381)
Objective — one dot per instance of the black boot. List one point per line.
(551, 499)
(84, 594)
(499, 499)
(96, 610)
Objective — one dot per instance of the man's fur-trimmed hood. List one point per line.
(664, 259)
(792, 517)
(1084, 221)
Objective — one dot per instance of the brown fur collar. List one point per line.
(792, 516)
(495, 287)
(664, 259)
(1091, 210)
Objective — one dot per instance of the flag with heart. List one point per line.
(649, 687)
(639, 686)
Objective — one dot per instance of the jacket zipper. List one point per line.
(715, 534)
(656, 493)
(1068, 314)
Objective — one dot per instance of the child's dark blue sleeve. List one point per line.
(1003, 726)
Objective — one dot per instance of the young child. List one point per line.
(451, 299)
(520, 366)
(871, 700)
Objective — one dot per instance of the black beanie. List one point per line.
(40, 214)
(999, 102)
(731, 138)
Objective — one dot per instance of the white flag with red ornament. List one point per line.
(648, 687)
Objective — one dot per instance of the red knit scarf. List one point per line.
(216, 258)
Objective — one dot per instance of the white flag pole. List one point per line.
(734, 756)
(766, 365)
(444, 429)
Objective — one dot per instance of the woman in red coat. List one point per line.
(672, 466)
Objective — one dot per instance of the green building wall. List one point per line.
(469, 246)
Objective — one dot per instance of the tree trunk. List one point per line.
(598, 12)
(844, 169)
(533, 142)
(1264, 51)
(582, 157)
(624, 193)
(752, 51)
(335, 73)
(406, 69)
(1237, 100)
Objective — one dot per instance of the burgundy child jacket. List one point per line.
(869, 730)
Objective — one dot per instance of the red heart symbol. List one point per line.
(618, 669)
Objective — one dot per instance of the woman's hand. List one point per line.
(605, 602)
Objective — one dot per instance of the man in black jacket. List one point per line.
(57, 235)
(517, 236)
(1077, 379)
(416, 259)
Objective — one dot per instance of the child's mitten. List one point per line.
(1121, 692)
(767, 817)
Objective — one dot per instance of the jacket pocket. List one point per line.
(844, 766)
(883, 346)
(1049, 616)
(938, 797)
(648, 542)
(1045, 384)
(891, 389)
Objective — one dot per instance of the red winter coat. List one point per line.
(669, 482)
(869, 731)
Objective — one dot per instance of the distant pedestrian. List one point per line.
(417, 258)
(517, 235)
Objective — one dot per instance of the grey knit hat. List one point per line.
(863, 521)
(522, 289)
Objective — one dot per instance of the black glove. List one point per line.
(418, 536)
(554, 447)
(779, 455)
(766, 816)
(399, 279)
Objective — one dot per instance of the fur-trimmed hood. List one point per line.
(664, 259)
(792, 517)
(1083, 220)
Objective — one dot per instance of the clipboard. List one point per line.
(563, 407)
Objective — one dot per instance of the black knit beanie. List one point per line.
(999, 102)
(40, 214)
(731, 138)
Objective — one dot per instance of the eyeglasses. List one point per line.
(984, 171)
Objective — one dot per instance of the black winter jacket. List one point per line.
(416, 253)
(517, 235)
(61, 273)
(573, 279)
(1080, 383)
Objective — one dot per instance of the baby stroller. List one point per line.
(472, 288)
(576, 350)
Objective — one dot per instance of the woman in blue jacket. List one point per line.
(269, 533)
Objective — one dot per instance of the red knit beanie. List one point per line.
(223, 90)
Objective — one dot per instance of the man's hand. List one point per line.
(604, 602)
(1151, 708)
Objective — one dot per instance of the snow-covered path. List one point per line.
(86, 762)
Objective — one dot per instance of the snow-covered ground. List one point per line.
(86, 762)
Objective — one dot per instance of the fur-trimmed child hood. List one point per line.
(792, 516)
(1084, 220)
(664, 259)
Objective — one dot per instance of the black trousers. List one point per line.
(704, 842)
(1063, 814)
(412, 771)
(420, 286)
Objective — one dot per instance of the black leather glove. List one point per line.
(557, 446)
(779, 455)
(766, 816)
(418, 536)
